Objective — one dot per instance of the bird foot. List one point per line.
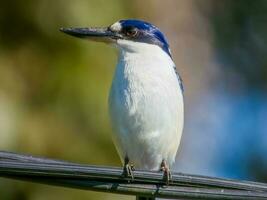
(128, 169)
(166, 172)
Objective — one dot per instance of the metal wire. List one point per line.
(110, 179)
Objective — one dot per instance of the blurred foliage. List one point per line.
(240, 41)
(54, 88)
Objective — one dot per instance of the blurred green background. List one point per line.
(54, 88)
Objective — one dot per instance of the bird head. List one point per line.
(127, 34)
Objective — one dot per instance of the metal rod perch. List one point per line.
(110, 179)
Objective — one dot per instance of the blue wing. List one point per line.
(179, 79)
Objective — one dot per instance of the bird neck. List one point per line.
(143, 64)
(142, 55)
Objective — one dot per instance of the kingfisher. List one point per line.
(146, 102)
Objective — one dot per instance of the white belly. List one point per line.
(146, 108)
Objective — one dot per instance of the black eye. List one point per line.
(130, 31)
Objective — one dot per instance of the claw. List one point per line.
(128, 169)
(166, 172)
(132, 167)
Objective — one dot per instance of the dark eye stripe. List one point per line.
(130, 31)
(128, 28)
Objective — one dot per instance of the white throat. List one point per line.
(144, 49)
(148, 58)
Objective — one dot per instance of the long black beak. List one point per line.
(96, 34)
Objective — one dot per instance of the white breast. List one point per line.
(146, 106)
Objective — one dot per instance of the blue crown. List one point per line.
(150, 33)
